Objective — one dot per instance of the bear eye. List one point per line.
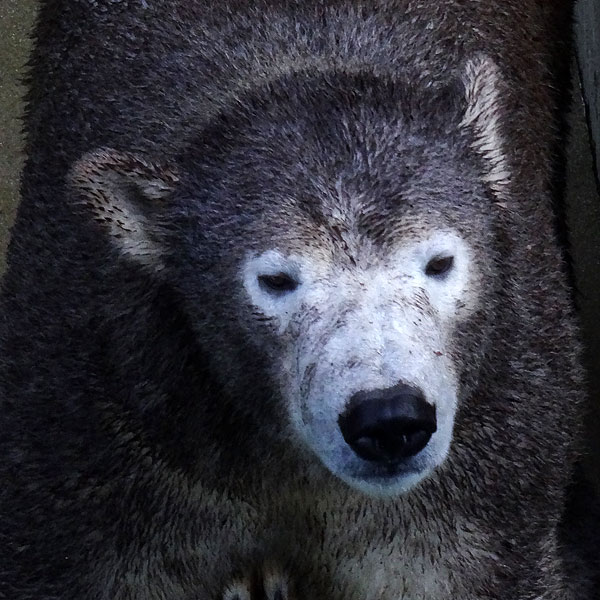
(279, 283)
(439, 266)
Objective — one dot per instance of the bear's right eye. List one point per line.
(439, 266)
(278, 284)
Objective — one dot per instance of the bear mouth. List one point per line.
(384, 472)
(386, 479)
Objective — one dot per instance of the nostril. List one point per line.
(385, 446)
(388, 425)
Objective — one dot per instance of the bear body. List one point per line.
(245, 228)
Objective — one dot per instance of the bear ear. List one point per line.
(125, 194)
(482, 83)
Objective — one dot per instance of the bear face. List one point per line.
(359, 301)
(367, 350)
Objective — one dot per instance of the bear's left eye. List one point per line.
(439, 266)
(278, 284)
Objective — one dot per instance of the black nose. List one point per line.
(387, 426)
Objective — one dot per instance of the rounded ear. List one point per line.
(482, 83)
(125, 193)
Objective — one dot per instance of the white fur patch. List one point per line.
(274, 584)
(272, 262)
(237, 591)
(481, 79)
(365, 328)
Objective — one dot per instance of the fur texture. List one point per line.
(148, 450)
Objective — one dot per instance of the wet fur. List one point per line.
(144, 454)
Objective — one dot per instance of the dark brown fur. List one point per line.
(143, 453)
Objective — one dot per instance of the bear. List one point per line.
(286, 313)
